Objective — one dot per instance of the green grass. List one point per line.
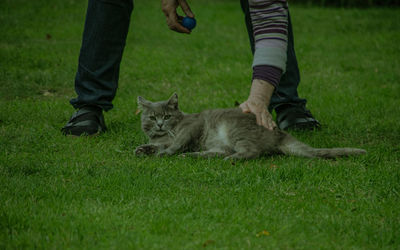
(58, 192)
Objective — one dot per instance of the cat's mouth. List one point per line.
(159, 132)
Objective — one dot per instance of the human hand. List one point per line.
(169, 8)
(258, 101)
(264, 118)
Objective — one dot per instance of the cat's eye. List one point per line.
(166, 117)
(152, 118)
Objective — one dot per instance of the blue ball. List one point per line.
(189, 23)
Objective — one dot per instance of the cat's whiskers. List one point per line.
(170, 133)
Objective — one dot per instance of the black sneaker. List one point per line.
(88, 120)
(296, 117)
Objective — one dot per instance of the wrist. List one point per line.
(261, 91)
(268, 73)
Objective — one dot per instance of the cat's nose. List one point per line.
(160, 123)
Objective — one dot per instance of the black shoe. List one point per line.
(296, 117)
(88, 120)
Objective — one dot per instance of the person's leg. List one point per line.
(96, 81)
(290, 108)
(245, 8)
(103, 42)
(287, 88)
(291, 111)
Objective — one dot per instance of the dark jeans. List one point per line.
(286, 91)
(104, 37)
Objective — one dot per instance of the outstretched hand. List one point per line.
(258, 101)
(169, 8)
(264, 118)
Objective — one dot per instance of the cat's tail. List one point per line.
(291, 146)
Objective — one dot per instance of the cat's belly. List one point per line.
(218, 137)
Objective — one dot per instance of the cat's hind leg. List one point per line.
(244, 150)
(206, 154)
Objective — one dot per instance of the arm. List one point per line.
(269, 21)
(169, 8)
(259, 98)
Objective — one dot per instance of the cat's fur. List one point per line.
(229, 133)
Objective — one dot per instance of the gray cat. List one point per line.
(227, 133)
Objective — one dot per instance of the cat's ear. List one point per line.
(142, 103)
(173, 101)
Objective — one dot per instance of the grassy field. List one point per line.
(60, 192)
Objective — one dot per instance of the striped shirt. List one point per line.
(270, 28)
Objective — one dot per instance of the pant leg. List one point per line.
(287, 88)
(286, 91)
(104, 37)
(245, 8)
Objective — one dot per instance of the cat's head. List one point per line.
(159, 118)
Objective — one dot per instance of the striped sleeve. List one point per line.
(270, 24)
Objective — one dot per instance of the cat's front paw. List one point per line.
(146, 149)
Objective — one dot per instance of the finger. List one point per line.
(245, 108)
(274, 126)
(179, 28)
(271, 124)
(265, 121)
(186, 9)
(166, 8)
(259, 119)
(173, 24)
